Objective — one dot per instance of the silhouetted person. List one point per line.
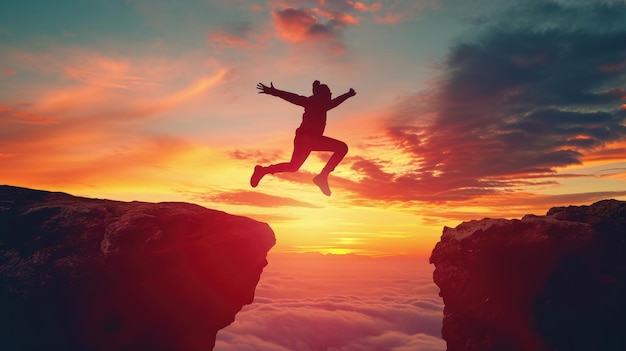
(309, 136)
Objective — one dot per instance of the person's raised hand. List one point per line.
(264, 89)
(352, 92)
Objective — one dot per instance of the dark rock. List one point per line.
(554, 282)
(89, 274)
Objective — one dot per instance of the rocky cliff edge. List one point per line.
(553, 282)
(90, 274)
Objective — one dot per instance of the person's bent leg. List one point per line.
(298, 156)
(339, 149)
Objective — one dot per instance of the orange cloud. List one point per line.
(252, 198)
(92, 100)
(23, 116)
(615, 151)
(365, 8)
(109, 77)
(257, 156)
(296, 25)
(85, 152)
(95, 86)
(339, 18)
(323, 22)
(87, 132)
(399, 10)
(188, 93)
(240, 36)
(8, 71)
(307, 26)
(223, 39)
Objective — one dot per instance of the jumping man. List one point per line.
(309, 136)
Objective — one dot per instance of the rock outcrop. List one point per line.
(554, 282)
(89, 274)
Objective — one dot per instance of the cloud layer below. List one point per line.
(315, 302)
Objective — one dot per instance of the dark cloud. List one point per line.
(538, 88)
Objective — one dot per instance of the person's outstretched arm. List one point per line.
(285, 95)
(341, 98)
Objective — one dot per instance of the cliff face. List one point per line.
(88, 274)
(554, 282)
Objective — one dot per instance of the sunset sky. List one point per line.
(464, 109)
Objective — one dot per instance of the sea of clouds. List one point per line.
(313, 302)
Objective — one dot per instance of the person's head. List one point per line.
(321, 90)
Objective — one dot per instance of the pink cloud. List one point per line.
(242, 35)
(324, 21)
(316, 22)
(367, 8)
(298, 25)
(337, 18)
(8, 71)
(401, 10)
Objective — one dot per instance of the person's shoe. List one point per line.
(322, 182)
(259, 172)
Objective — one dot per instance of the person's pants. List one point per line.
(302, 147)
